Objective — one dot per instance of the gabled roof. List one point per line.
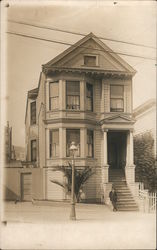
(144, 107)
(33, 93)
(80, 44)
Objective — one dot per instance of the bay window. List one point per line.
(89, 97)
(73, 135)
(54, 95)
(54, 143)
(73, 95)
(116, 98)
(90, 144)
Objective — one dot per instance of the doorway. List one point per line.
(116, 149)
(26, 186)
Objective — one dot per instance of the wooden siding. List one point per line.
(97, 96)
(54, 191)
(97, 146)
(106, 97)
(127, 98)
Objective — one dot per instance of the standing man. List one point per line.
(113, 198)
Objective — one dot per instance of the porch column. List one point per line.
(130, 167)
(105, 160)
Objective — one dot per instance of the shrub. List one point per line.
(145, 160)
(81, 177)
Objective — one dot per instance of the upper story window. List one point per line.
(90, 144)
(117, 98)
(89, 97)
(33, 112)
(33, 150)
(54, 95)
(73, 135)
(90, 61)
(54, 143)
(73, 95)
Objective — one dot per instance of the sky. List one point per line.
(127, 21)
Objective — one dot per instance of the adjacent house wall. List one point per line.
(13, 186)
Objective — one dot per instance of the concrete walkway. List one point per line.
(47, 226)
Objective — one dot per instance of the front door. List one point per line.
(26, 186)
(116, 149)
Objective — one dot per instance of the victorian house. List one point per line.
(84, 95)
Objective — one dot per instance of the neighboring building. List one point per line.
(19, 153)
(10, 172)
(84, 95)
(145, 116)
(9, 148)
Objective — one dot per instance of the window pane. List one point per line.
(117, 105)
(90, 147)
(33, 113)
(54, 89)
(116, 91)
(73, 88)
(33, 150)
(73, 95)
(89, 97)
(90, 60)
(89, 89)
(55, 136)
(73, 102)
(89, 104)
(54, 143)
(73, 135)
(54, 103)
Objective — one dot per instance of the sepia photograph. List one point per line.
(78, 125)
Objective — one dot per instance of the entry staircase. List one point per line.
(125, 200)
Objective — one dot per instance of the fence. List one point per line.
(147, 200)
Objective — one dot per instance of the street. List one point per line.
(47, 226)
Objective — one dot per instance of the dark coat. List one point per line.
(113, 196)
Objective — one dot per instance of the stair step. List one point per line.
(126, 199)
(128, 209)
(126, 204)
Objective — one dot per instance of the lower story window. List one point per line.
(33, 150)
(73, 135)
(90, 146)
(54, 143)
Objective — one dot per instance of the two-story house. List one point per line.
(145, 116)
(84, 95)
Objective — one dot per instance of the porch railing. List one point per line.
(147, 200)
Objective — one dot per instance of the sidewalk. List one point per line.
(96, 227)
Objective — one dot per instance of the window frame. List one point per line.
(68, 153)
(90, 55)
(53, 97)
(31, 113)
(90, 131)
(88, 97)
(117, 98)
(32, 158)
(67, 95)
(51, 131)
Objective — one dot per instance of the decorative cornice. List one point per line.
(69, 120)
(93, 72)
